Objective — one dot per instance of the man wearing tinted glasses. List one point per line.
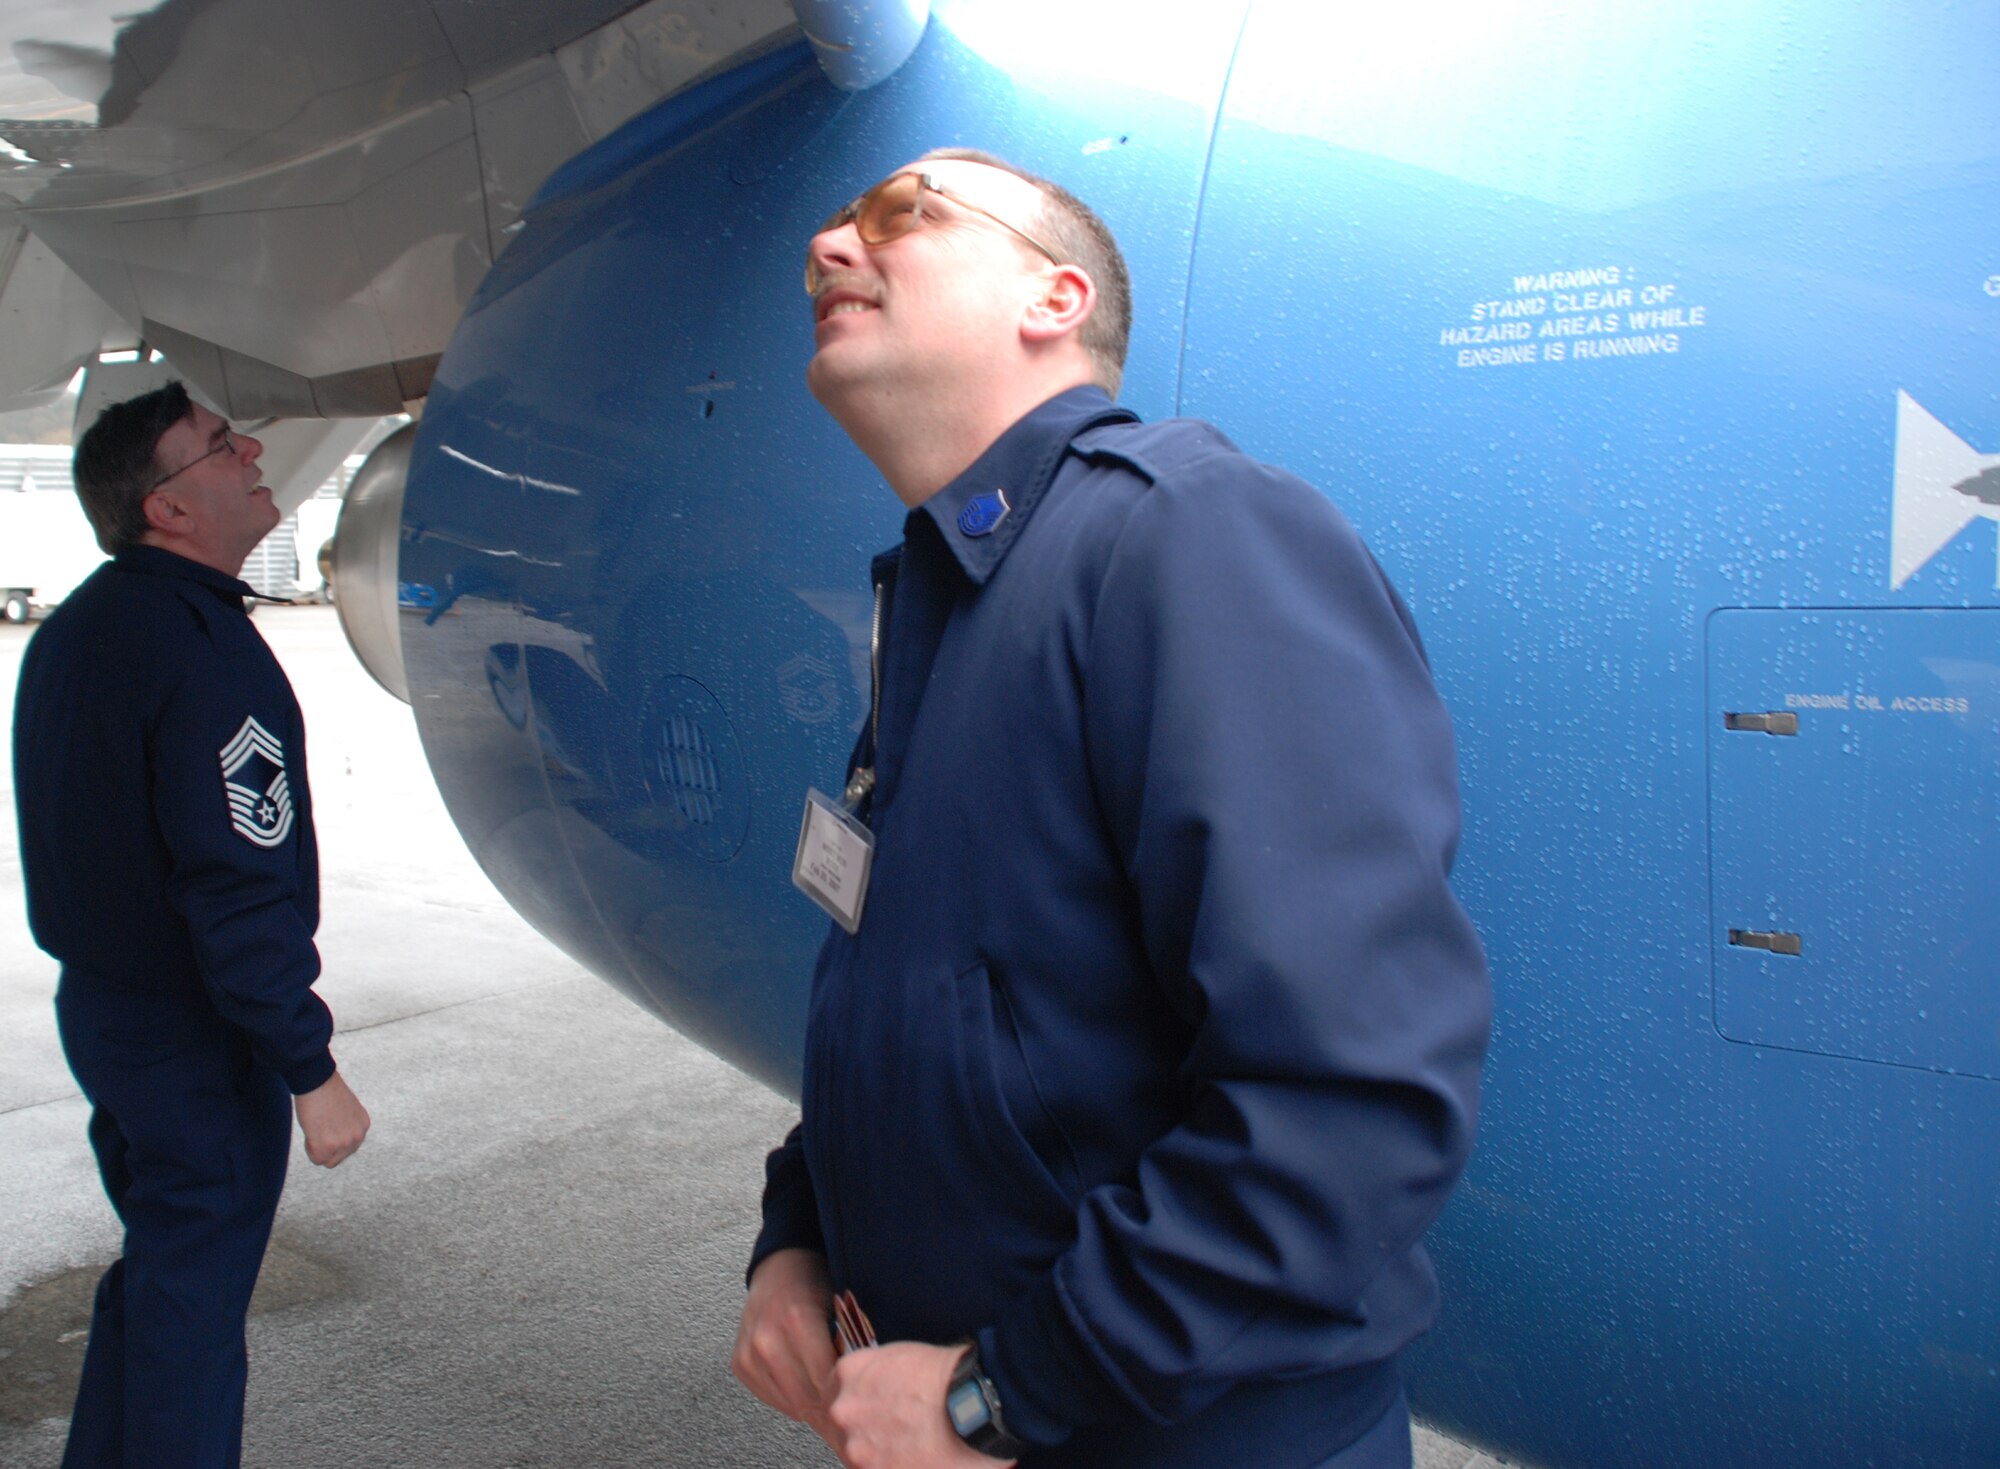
(167, 843)
(1145, 1044)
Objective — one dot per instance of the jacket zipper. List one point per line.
(863, 780)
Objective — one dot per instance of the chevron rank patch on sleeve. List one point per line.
(253, 777)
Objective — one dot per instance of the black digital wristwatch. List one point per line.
(973, 1406)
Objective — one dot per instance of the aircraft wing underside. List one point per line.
(292, 200)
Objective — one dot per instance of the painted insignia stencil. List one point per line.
(253, 777)
(807, 691)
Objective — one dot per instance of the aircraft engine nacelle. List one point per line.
(1653, 350)
(366, 557)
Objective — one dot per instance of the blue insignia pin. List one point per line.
(982, 513)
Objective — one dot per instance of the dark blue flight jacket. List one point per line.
(1158, 1047)
(166, 823)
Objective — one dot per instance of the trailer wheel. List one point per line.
(16, 607)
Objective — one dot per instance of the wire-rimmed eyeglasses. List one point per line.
(227, 446)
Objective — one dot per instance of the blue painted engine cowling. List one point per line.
(1656, 355)
(652, 545)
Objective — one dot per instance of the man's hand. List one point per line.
(784, 1345)
(888, 1407)
(333, 1120)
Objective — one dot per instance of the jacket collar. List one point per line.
(980, 514)
(153, 561)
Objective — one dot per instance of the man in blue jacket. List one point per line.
(1146, 1044)
(167, 842)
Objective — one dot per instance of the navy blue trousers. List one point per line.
(192, 1139)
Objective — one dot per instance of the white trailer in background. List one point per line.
(46, 545)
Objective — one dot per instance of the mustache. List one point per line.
(854, 285)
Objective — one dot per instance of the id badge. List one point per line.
(834, 856)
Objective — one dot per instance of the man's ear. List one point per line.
(163, 513)
(1067, 297)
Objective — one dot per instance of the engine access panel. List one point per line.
(1854, 799)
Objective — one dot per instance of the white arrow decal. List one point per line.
(1943, 484)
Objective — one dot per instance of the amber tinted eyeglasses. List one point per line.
(894, 207)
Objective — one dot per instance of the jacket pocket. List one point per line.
(1000, 1091)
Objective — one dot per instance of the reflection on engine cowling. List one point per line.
(365, 560)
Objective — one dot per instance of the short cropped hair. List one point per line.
(1072, 229)
(114, 467)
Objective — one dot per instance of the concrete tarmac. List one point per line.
(536, 1260)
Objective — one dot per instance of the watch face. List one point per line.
(967, 1406)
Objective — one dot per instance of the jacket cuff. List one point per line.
(791, 1209)
(779, 1235)
(1049, 1383)
(308, 1076)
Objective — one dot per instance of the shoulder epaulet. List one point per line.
(1153, 450)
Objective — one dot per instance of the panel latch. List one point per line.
(1759, 938)
(1775, 722)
